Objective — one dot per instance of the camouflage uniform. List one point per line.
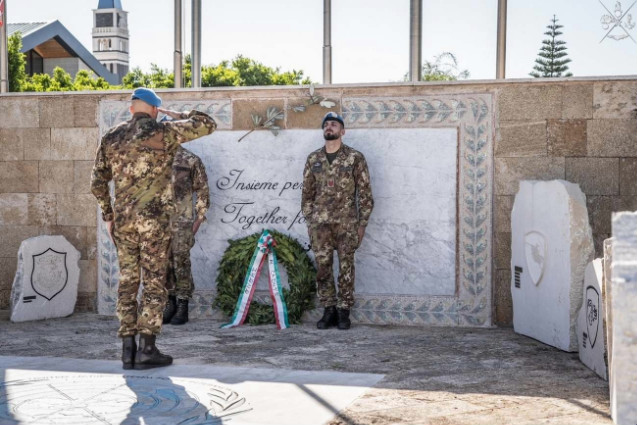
(329, 204)
(189, 176)
(137, 155)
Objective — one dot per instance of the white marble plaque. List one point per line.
(623, 371)
(551, 245)
(46, 280)
(409, 247)
(590, 323)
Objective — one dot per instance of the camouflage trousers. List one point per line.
(325, 239)
(142, 249)
(180, 282)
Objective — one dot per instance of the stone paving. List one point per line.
(431, 375)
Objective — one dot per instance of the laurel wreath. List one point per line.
(290, 254)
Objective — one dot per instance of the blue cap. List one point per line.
(332, 116)
(146, 95)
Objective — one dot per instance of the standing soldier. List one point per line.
(189, 177)
(336, 202)
(137, 156)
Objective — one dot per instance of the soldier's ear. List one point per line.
(132, 111)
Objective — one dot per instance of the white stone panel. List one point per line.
(551, 245)
(410, 243)
(46, 280)
(623, 371)
(590, 323)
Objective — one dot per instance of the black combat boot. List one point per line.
(329, 318)
(343, 319)
(170, 308)
(181, 316)
(148, 355)
(129, 348)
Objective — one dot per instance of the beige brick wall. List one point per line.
(582, 130)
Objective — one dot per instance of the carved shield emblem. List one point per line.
(49, 275)
(592, 314)
(535, 255)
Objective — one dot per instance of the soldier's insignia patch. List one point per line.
(317, 166)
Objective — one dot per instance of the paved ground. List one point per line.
(432, 375)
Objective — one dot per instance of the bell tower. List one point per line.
(110, 36)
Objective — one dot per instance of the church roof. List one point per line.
(36, 33)
(110, 4)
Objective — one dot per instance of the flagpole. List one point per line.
(4, 51)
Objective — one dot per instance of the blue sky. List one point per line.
(369, 37)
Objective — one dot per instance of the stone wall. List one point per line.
(581, 130)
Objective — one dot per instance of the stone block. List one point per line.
(313, 115)
(19, 112)
(612, 137)
(502, 245)
(510, 171)
(628, 176)
(551, 245)
(503, 304)
(530, 102)
(596, 176)
(46, 280)
(516, 139)
(88, 276)
(567, 137)
(11, 146)
(14, 209)
(7, 272)
(623, 371)
(12, 237)
(74, 143)
(502, 213)
(577, 101)
(76, 210)
(242, 111)
(86, 302)
(56, 176)
(18, 176)
(36, 142)
(614, 99)
(76, 235)
(42, 208)
(590, 322)
(82, 176)
(56, 111)
(5, 296)
(598, 240)
(85, 111)
(600, 209)
(91, 243)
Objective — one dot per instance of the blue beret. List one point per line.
(146, 95)
(332, 116)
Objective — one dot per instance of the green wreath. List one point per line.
(290, 254)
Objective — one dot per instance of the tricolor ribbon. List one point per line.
(265, 248)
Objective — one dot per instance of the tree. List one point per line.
(444, 67)
(552, 60)
(17, 62)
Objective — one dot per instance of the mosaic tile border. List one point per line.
(473, 116)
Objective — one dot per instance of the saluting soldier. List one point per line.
(137, 156)
(336, 202)
(190, 184)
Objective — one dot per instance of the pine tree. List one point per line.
(552, 60)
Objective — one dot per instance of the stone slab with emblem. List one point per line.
(623, 371)
(46, 280)
(551, 245)
(590, 324)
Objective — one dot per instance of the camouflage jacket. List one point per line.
(330, 191)
(138, 155)
(189, 177)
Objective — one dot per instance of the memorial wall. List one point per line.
(445, 161)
